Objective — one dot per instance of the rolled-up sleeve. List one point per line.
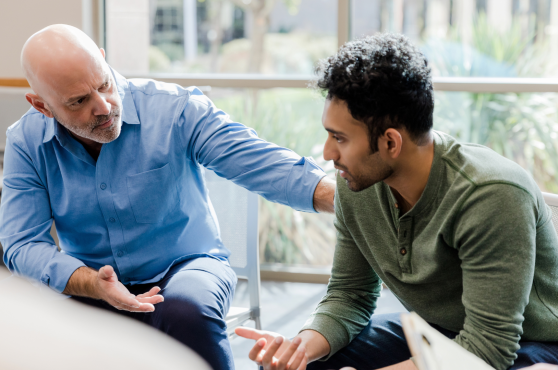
(235, 152)
(26, 220)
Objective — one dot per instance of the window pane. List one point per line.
(290, 118)
(223, 36)
(484, 38)
(521, 127)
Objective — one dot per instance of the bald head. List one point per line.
(57, 54)
(72, 82)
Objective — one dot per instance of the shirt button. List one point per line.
(120, 253)
(403, 251)
(396, 205)
(103, 186)
(112, 219)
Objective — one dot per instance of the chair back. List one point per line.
(237, 212)
(552, 201)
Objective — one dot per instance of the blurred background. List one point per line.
(494, 63)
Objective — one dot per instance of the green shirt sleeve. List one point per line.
(352, 291)
(495, 234)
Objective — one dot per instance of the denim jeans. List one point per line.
(198, 294)
(382, 343)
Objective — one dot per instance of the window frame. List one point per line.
(280, 272)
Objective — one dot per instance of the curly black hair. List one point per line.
(385, 81)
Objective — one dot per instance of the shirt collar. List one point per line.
(129, 112)
(431, 190)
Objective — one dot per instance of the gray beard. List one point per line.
(90, 132)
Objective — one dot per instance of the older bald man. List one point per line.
(118, 165)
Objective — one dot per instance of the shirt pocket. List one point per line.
(152, 194)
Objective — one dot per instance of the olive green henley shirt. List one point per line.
(477, 254)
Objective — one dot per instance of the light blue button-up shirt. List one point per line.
(143, 205)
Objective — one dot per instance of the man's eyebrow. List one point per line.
(75, 98)
(334, 132)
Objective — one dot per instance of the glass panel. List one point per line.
(485, 38)
(222, 36)
(521, 127)
(290, 118)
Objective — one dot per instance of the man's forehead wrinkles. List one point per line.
(77, 96)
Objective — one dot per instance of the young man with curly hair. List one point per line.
(459, 234)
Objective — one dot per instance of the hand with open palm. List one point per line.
(113, 292)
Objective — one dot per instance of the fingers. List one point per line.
(153, 300)
(267, 358)
(117, 295)
(151, 296)
(144, 307)
(288, 354)
(125, 298)
(107, 273)
(255, 351)
(299, 360)
(151, 292)
(139, 307)
(249, 333)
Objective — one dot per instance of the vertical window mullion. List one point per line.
(343, 21)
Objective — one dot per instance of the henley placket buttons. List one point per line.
(120, 253)
(403, 251)
(112, 219)
(103, 186)
(397, 205)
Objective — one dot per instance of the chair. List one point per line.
(552, 201)
(237, 212)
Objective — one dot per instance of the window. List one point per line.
(290, 118)
(491, 59)
(485, 38)
(241, 36)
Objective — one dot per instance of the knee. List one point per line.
(190, 314)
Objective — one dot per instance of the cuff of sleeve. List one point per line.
(331, 329)
(59, 270)
(301, 184)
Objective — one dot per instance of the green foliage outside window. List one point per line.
(522, 127)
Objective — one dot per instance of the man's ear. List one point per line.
(38, 104)
(103, 53)
(391, 143)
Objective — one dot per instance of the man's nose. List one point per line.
(102, 106)
(330, 152)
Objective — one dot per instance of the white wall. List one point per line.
(13, 105)
(19, 19)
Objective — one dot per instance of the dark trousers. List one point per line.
(198, 294)
(382, 343)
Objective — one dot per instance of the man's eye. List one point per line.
(339, 140)
(78, 102)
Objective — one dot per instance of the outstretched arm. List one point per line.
(209, 137)
(323, 195)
